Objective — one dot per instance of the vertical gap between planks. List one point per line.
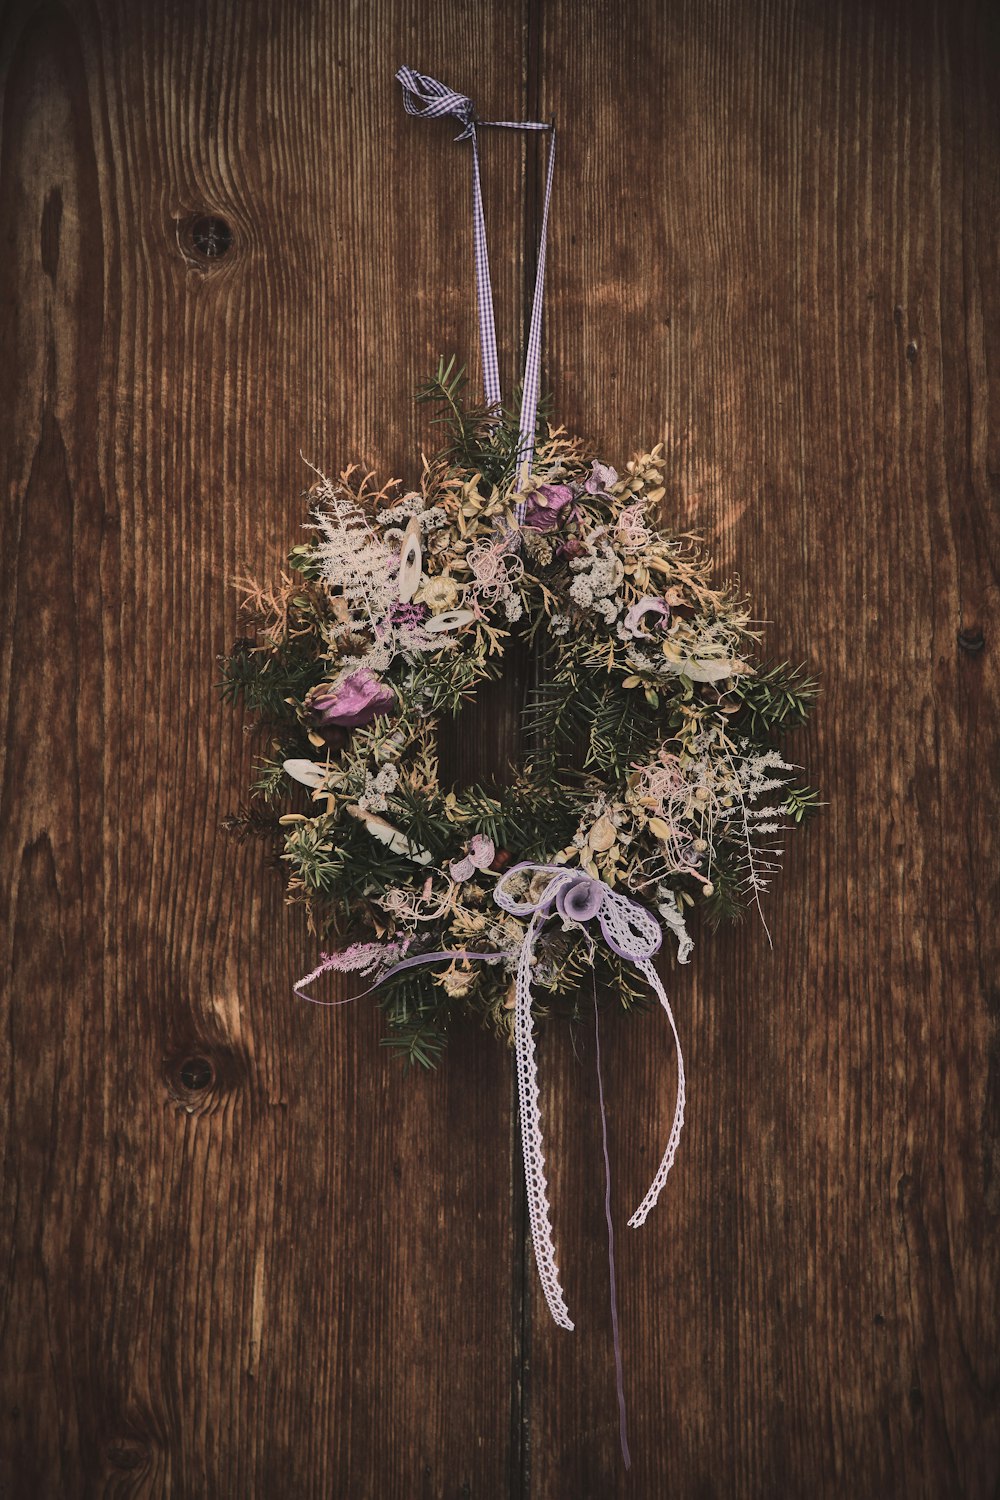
(535, 149)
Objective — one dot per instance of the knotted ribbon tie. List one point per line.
(430, 99)
(632, 933)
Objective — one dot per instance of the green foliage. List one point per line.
(801, 803)
(252, 821)
(480, 440)
(416, 1013)
(588, 715)
(727, 902)
(775, 699)
(271, 781)
(444, 684)
(262, 681)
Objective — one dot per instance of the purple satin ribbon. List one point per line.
(612, 1278)
(415, 962)
(429, 99)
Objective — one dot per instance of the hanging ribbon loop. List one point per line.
(430, 99)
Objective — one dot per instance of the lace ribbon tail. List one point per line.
(656, 1186)
(531, 1138)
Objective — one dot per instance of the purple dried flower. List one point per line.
(633, 623)
(544, 510)
(600, 479)
(354, 702)
(580, 899)
(408, 614)
(571, 547)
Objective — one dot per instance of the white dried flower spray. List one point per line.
(352, 557)
(375, 796)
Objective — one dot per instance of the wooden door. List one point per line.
(242, 1255)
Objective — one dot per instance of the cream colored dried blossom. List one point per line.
(438, 593)
(457, 980)
(644, 475)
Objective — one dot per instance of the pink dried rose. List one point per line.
(355, 701)
(544, 510)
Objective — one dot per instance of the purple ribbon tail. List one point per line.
(405, 963)
(616, 1331)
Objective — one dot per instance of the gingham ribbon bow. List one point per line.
(634, 934)
(430, 99)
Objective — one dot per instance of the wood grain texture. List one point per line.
(297, 1280)
(785, 265)
(775, 246)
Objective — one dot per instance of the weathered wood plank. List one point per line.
(775, 245)
(287, 1272)
(776, 248)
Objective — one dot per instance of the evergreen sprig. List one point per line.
(479, 439)
(775, 699)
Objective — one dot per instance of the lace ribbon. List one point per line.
(630, 931)
(634, 934)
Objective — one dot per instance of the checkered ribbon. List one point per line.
(430, 99)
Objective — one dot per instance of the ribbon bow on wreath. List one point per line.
(634, 934)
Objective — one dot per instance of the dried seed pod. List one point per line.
(410, 562)
(308, 772)
(603, 835)
(387, 834)
(449, 619)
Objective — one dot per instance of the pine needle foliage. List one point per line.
(478, 439)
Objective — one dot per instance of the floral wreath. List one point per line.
(650, 766)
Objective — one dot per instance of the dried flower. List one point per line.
(482, 852)
(356, 700)
(544, 510)
(439, 594)
(600, 479)
(580, 900)
(408, 615)
(603, 836)
(632, 624)
(457, 980)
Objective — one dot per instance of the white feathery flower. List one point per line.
(353, 558)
